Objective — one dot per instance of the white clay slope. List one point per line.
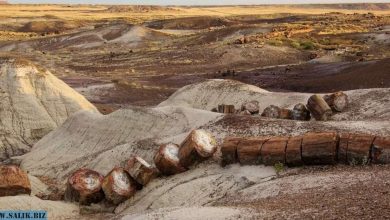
(33, 102)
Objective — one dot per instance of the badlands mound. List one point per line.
(33, 103)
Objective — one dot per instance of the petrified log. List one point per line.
(294, 151)
(167, 159)
(343, 147)
(359, 146)
(13, 181)
(248, 150)
(274, 151)
(318, 108)
(226, 109)
(246, 112)
(84, 186)
(380, 153)
(285, 113)
(300, 112)
(319, 148)
(140, 170)
(198, 146)
(252, 107)
(271, 111)
(118, 186)
(229, 150)
(338, 101)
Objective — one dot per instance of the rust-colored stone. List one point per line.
(167, 159)
(118, 186)
(248, 150)
(359, 146)
(84, 186)
(380, 153)
(13, 181)
(319, 148)
(285, 113)
(274, 151)
(294, 151)
(140, 170)
(229, 150)
(198, 146)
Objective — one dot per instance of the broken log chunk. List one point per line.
(84, 186)
(273, 151)
(226, 109)
(118, 186)
(318, 108)
(294, 151)
(198, 146)
(167, 159)
(380, 153)
(246, 112)
(319, 148)
(359, 146)
(300, 112)
(252, 107)
(13, 181)
(343, 147)
(140, 170)
(248, 150)
(285, 113)
(229, 150)
(337, 101)
(271, 111)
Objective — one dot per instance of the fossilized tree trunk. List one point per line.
(338, 101)
(118, 186)
(318, 108)
(140, 170)
(84, 186)
(167, 159)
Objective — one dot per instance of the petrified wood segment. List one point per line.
(294, 151)
(198, 146)
(167, 159)
(229, 150)
(274, 151)
(338, 101)
(343, 147)
(285, 113)
(300, 112)
(248, 150)
(318, 108)
(380, 153)
(13, 181)
(319, 148)
(84, 186)
(118, 186)
(252, 107)
(359, 146)
(226, 109)
(271, 111)
(140, 170)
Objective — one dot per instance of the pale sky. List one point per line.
(194, 2)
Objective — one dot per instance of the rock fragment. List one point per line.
(338, 101)
(318, 108)
(13, 181)
(252, 107)
(271, 111)
(140, 170)
(300, 112)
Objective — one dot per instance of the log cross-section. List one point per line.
(338, 101)
(118, 186)
(198, 146)
(140, 170)
(84, 186)
(167, 159)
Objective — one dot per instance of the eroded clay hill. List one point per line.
(33, 103)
